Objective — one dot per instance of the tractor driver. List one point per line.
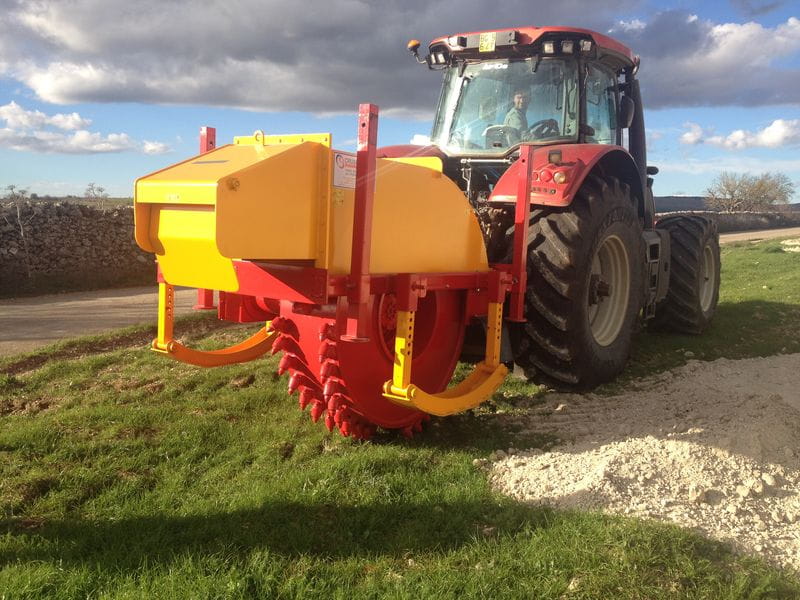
(517, 116)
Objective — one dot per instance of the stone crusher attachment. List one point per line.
(524, 232)
(366, 272)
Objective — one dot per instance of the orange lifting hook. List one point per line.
(487, 376)
(251, 348)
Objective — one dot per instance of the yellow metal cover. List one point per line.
(276, 198)
(421, 222)
(245, 200)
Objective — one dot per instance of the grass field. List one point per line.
(123, 475)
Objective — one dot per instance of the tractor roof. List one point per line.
(515, 40)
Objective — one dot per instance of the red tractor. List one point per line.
(525, 227)
(596, 259)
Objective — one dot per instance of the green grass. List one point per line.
(124, 475)
(758, 312)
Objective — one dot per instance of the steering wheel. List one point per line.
(501, 136)
(546, 128)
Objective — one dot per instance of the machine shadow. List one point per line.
(288, 529)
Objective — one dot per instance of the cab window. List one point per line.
(601, 105)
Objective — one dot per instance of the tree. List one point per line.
(18, 198)
(96, 193)
(734, 192)
(772, 188)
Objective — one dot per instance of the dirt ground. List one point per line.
(29, 323)
(711, 446)
(753, 236)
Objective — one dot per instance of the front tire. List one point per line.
(584, 292)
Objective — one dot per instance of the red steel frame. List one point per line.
(208, 141)
(366, 161)
(521, 221)
(310, 286)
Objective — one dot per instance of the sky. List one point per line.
(105, 91)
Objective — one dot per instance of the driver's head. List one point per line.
(521, 99)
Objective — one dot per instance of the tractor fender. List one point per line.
(576, 162)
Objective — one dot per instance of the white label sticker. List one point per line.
(344, 170)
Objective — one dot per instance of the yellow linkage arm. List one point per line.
(251, 348)
(487, 376)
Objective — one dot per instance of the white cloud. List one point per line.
(695, 62)
(59, 142)
(149, 147)
(89, 142)
(732, 163)
(781, 132)
(693, 136)
(17, 117)
(266, 54)
(271, 55)
(27, 130)
(632, 25)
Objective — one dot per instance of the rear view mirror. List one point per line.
(627, 108)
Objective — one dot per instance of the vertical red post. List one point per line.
(519, 264)
(366, 160)
(208, 141)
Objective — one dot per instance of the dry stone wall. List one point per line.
(745, 221)
(52, 246)
(69, 246)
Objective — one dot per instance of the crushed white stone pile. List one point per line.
(713, 446)
(792, 245)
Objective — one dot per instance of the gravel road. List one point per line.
(763, 234)
(29, 323)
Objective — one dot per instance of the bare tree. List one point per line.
(733, 192)
(18, 198)
(771, 189)
(96, 194)
(727, 192)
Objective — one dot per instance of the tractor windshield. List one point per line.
(490, 106)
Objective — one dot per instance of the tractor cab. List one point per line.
(573, 91)
(490, 107)
(532, 85)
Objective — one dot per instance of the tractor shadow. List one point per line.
(288, 529)
(478, 432)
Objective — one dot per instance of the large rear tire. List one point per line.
(693, 290)
(584, 292)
